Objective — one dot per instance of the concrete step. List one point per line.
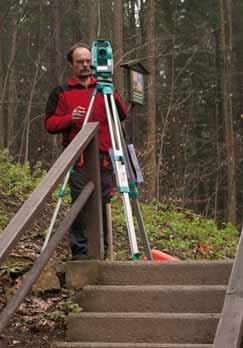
(152, 298)
(126, 345)
(82, 273)
(142, 327)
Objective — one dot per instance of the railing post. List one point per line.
(94, 206)
(230, 328)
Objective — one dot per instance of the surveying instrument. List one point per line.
(102, 66)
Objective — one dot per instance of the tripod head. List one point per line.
(102, 60)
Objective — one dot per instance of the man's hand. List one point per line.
(78, 113)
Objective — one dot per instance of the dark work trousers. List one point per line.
(78, 230)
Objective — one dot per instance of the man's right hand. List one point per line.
(78, 113)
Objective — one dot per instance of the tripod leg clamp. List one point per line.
(61, 193)
(123, 189)
(136, 256)
(133, 190)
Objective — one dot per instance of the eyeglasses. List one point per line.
(83, 61)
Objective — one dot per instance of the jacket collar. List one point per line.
(73, 81)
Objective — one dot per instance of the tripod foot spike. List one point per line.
(136, 257)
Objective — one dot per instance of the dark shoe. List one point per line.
(79, 257)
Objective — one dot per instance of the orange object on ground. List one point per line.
(159, 255)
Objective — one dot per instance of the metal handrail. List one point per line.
(85, 142)
(230, 327)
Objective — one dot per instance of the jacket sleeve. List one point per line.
(56, 119)
(121, 107)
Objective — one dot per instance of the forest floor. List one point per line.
(40, 319)
(31, 326)
(30, 339)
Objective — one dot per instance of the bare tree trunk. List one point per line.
(226, 42)
(1, 105)
(27, 122)
(118, 44)
(94, 19)
(12, 107)
(77, 34)
(220, 202)
(105, 14)
(3, 121)
(151, 125)
(26, 131)
(56, 13)
(28, 113)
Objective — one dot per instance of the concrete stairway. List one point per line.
(145, 304)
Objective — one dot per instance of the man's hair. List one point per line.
(73, 47)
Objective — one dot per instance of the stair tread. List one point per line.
(144, 315)
(152, 298)
(127, 345)
(79, 274)
(154, 287)
(156, 263)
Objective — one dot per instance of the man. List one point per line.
(65, 113)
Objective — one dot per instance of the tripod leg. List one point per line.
(135, 202)
(142, 228)
(109, 228)
(90, 108)
(130, 225)
(120, 172)
(132, 177)
(116, 121)
(110, 123)
(53, 220)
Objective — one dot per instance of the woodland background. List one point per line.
(188, 136)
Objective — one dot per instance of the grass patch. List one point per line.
(179, 232)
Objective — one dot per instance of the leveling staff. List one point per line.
(65, 113)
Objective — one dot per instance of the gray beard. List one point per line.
(86, 74)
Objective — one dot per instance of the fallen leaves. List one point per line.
(36, 313)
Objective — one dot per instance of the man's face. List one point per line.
(81, 63)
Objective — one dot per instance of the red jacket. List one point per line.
(64, 99)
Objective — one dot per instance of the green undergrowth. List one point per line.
(16, 183)
(171, 229)
(180, 232)
(16, 180)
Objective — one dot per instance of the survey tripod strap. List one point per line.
(64, 186)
